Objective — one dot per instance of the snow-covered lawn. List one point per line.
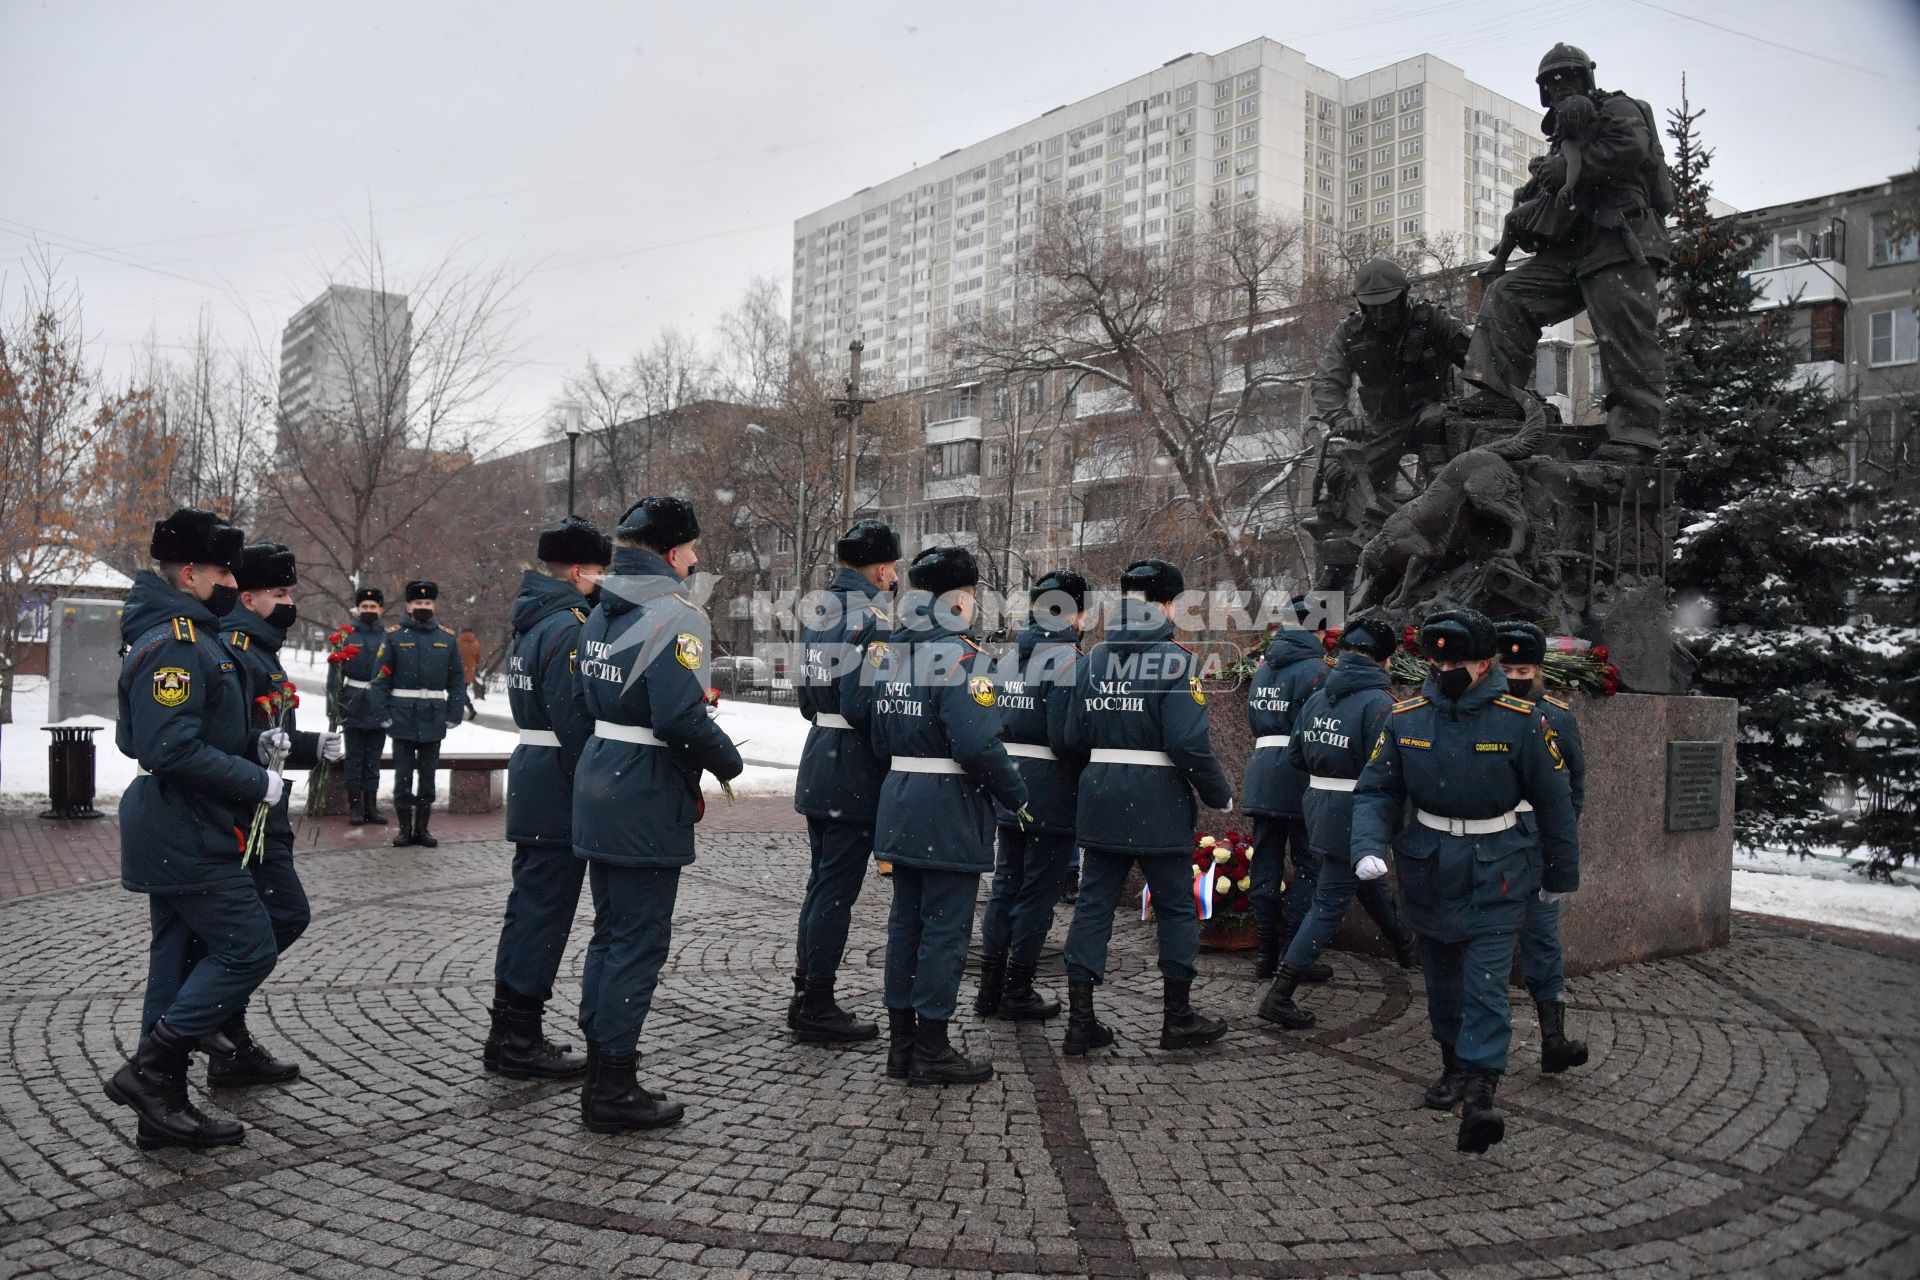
(1823, 889)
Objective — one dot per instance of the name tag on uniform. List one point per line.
(1420, 743)
(1491, 746)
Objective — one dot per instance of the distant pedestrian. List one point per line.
(469, 644)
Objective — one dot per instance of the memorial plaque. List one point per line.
(1693, 786)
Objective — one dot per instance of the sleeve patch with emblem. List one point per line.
(686, 650)
(877, 653)
(981, 687)
(1193, 687)
(172, 685)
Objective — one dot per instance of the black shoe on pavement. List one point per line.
(823, 1021)
(236, 1060)
(1279, 1007)
(900, 1028)
(613, 1100)
(936, 1061)
(1020, 1002)
(1181, 1025)
(154, 1083)
(1084, 1031)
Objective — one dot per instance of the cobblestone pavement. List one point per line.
(1747, 1113)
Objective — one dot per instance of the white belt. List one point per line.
(1525, 806)
(926, 764)
(1126, 755)
(831, 720)
(539, 738)
(637, 733)
(1467, 826)
(351, 683)
(1319, 783)
(1272, 740)
(1030, 751)
(425, 695)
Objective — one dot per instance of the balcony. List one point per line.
(960, 538)
(1830, 374)
(1817, 280)
(1098, 533)
(953, 429)
(1107, 464)
(953, 487)
(1261, 446)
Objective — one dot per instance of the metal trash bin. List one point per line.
(70, 771)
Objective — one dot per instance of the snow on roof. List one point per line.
(71, 567)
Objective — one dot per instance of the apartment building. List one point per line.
(338, 349)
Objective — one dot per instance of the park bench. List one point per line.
(477, 785)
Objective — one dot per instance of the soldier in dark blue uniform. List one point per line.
(349, 690)
(1035, 686)
(838, 787)
(936, 725)
(636, 793)
(1332, 735)
(1295, 664)
(1139, 710)
(1466, 753)
(422, 692)
(550, 710)
(1543, 964)
(184, 716)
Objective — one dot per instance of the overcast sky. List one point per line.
(640, 163)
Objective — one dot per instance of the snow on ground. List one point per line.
(1825, 889)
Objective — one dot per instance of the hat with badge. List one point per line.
(1520, 643)
(1374, 637)
(943, 569)
(575, 541)
(1457, 635)
(373, 594)
(193, 536)
(1156, 580)
(264, 566)
(662, 522)
(421, 589)
(870, 541)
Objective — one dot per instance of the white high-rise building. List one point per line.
(1408, 153)
(346, 351)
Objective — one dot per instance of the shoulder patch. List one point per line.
(1410, 704)
(171, 685)
(1193, 687)
(240, 640)
(1512, 703)
(687, 650)
(981, 687)
(877, 653)
(1561, 703)
(183, 630)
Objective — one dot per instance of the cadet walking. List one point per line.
(1467, 753)
(1139, 710)
(422, 691)
(636, 793)
(1543, 966)
(1034, 687)
(838, 787)
(184, 716)
(360, 715)
(550, 710)
(936, 725)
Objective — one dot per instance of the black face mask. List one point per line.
(1529, 689)
(593, 596)
(421, 616)
(221, 602)
(282, 616)
(1453, 682)
(369, 618)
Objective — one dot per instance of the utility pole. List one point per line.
(848, 408)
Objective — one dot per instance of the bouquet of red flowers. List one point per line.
(274, 708)
(1222, 874)
(1571, 665)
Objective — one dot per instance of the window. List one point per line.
(1249, 106)
(996, 457)
(1358, 138)
(1410, 227)
(1892, 337)
(1223, 116)
(1410, 200)
(1245, 186)
(1383, 106)
(1356, 114)
(1383, 182)
(1383, 131)
(1030, 397)
(1222, 89)
(1410, 97)
(1410, 149)
(1356, 188)
(1000, 404)
(1382, 156)
(1887, 250)
(1409, 122)
(1550, 369)
(1186, 94)
(1410, 174)
(1249, 132)
(922, 523)
(1221, 167)
(1357, 213)
(1249, 80)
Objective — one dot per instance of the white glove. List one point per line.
(275, 785)
(1229, 808)
(1548, 895)
(273, 742)
(1370, 868)
(333, 746)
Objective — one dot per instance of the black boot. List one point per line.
(1279, 1007)
(586, 1081)
(1267, 962)
(1480, 1125)
(1557, 1053)
(1318, 971)
(1445, 1093)
(1084, 1031)
(823, 1021)
(370, 811)
(993, 984)
(1406, 953)
(356, 814)
(517, 1048)
(936, 1061)
(420, 836)
(1020, 1002)
(613, 1101)
(404, 836)
(235, 1059)
(793, 1005)
(154, 1083)
(1070, 885)
(900, 1027)
(1181, 1025)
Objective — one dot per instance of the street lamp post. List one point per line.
(848, 408)
(572, 411)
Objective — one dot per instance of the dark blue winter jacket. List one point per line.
(1035, 684)
(425, 691)
(549, 708)
(255, 645)
(1294, 665)
(1332, 737)
(840, 776)
(350, 683)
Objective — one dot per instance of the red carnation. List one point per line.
(336, 637)
(1233, 837)
(1330, 638)
(1610, 684)
(385, 670)
(1410, 639)
(1599, 653)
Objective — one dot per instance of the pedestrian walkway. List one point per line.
(1747, 1113)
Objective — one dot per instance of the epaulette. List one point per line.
(579, 615)
(1561, 703)
(970, 643)
(1182, 648)
(1410, 704)
(1512, 703)
(395, 627)
(448, 630)
(879, 613)
(240, 640)
(183, 630)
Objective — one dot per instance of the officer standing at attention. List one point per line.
(253, 632)
(184, 716)
(636, 793)
(1543, 965)
(1035, 691)
(1332, 735)
(423, 693)
(1467, 753)
(349, 689)
(1139, 710)
(935, 723)
(550, 710)
(838, 787)
(1296, 662)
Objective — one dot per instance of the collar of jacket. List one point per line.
(245, 619)
(920, 622)
(412, 624)
(541, 596)
(152, 601)
(1141, 622)
(849, 580)
(1293, 644)
(1352, 673)
(637, 576)
(1034, 636)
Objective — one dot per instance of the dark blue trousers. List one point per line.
(1275, 839)
(1467, 996)
(927, 933)
(413, 767)
(177, 948)
(540, 909)
(1543, 965)
(361, 769)
(208, 954)
(632, 927)
(838, 867)
(1026, 884)
(1102, 876)
(1335, 887)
